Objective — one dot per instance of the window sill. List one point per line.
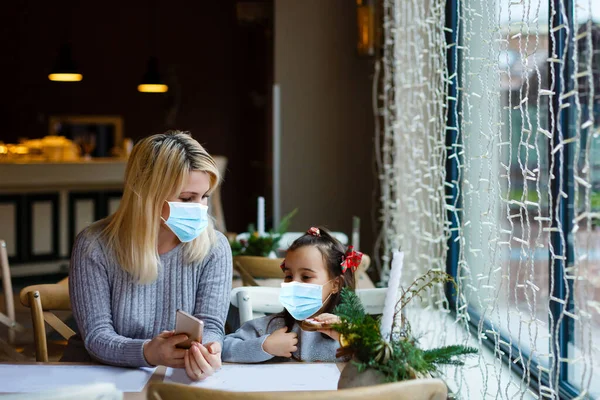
(483, 374)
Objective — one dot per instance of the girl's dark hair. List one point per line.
(333, 253)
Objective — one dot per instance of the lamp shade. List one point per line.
(65, 69)
(151, 81)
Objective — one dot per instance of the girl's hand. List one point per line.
(202, 361)
(328, 320)
(162, 351)
(281, 343)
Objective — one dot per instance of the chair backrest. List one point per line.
(251, 268)
(261, 299)
(417, 389)
(365, 263)
(42, 300)
(8, 319)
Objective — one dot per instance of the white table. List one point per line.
(19, 377)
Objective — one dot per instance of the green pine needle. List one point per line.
(350, 307)
(360, 332)
(446, 354)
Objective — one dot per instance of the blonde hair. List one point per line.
(158, 168)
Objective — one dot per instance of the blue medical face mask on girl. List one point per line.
(187, 220)
(301, 300)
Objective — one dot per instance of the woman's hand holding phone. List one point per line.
(199, 361)
(162, 350)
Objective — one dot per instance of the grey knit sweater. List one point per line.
(246, 344)
(116, 315)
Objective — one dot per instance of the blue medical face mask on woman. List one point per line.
(301, 300)
(187, 220)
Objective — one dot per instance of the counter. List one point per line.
(101, 171)
(43, 205)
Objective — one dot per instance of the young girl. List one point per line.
(316, 269)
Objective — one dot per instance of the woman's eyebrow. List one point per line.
(188, 192)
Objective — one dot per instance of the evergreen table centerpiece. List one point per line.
(389, 354)
(255, 255)
(261, 244)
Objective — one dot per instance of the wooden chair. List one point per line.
(365, 263)
(42, 300)
(363, 281)
(251, 268)
(417, 389)
(256, 301)
(8, 319)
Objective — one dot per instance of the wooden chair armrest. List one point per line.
(247, 279)
(54, 296)
(365, 263)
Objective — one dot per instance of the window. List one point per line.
(487, 151)
(528, 257)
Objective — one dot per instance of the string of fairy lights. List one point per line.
(507, 88)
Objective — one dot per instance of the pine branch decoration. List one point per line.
(401, 358)
(350, 307)
(448, 354)
(359, 331)
(418, 287)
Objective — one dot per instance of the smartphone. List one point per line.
(189, 325)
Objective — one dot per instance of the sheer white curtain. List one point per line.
(510, 140)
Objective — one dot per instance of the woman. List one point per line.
(157, 253)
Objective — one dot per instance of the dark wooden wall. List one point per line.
(218, 68)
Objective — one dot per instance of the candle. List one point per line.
(391, 297)
(261, 216)
(356, 233)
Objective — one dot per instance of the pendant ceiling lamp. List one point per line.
(151, 80)
(65, 68)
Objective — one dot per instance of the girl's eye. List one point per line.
(185, 200)
(288, 278)
(306, 278)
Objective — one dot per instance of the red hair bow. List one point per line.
(351, 260)
(314, 232)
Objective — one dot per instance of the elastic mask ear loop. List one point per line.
(328, 297)
(161, 217)
(334, 279)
